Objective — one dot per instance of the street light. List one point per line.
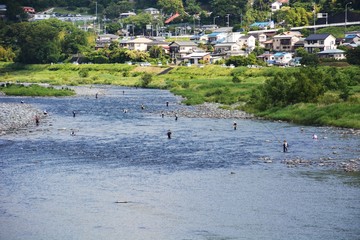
(214, 19)
(346, 13)
(228, 19)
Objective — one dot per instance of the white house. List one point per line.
(282, 58)
(319, 42)
(139, 44)
(275, 6)
(128, 14)
(332, 53)
(41, 16)
(233, 36)
(248, 42)
(226, 47)
(152, 11)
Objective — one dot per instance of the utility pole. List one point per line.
(97, 22)
(314, 17)
(346, 14)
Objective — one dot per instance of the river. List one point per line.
(120, 177)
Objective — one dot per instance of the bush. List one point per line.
(146, 79)
(236, 79)
(84, 73)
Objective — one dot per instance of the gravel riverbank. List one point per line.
(14, 116)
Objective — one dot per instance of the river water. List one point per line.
(120, 177)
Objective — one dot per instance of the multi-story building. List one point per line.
(319, 42)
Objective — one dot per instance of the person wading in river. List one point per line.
(285, 146)
(37, 120)
(169, 134)
(235, 125)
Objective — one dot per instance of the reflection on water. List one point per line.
(120, 177)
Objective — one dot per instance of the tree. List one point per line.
(171, 6)
(156, 52)
(192, 7)
(353, 56)
(310, 60)
(146, 79)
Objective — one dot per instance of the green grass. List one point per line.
(35, 90)
(338, 114)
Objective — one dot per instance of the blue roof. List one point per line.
(214, 34)
(279, 54)
(261, 24)
(351, 36)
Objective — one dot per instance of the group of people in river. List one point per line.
(285, 144)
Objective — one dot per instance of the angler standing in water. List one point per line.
(37, 120)
(285, 146)
(169, 134)
(235, 125)
(74, 113)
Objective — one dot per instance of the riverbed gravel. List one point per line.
(14, 116)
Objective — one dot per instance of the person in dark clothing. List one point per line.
(167, 103)
(37, 120)
(74, 113)
(169, 134)
(235, 125)
(285, 146)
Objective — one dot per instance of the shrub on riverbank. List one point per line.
(35, 90)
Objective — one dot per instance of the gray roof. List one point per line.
(188, 43)
(317, 37)
(332, 51)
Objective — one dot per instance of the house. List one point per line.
(332, 53)
(247, 42)
(282, 58)
(319, 42)
(104, 40)
(41, 16)
(29, 10)
(196, 57)
(152, 11)
(275, 6)
(164, 45)
(267, 57)
(128, 14)
(263, 25)
(299, 43)
(216, 37)
(295, 62)
(233, 36)
(284, 43)
(226, 47)
(138, 44)
(352, 38)
(181, 49)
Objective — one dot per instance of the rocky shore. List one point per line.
(209, 110)
(14, 116)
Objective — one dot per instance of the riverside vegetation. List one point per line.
(305, 95)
